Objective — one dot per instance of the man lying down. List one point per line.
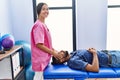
(89, 60)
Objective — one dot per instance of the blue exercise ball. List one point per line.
(0, 44)
(26, 51)
(7, 35)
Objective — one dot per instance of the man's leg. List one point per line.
(38, 76)
(115, 55)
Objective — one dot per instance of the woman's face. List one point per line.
(44, 11)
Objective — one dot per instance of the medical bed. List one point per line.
(64, 72)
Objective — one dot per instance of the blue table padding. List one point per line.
(103, 73)
(117, 70)
(63, 71)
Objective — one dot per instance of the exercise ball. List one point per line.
(7, 35)
(26, 51)
(0, 44)
(7, 42)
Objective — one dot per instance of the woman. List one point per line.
(41, 43)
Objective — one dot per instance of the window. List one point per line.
(61, 22)
(113, 26)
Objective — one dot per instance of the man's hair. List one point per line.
(39, 7)
(56, 61)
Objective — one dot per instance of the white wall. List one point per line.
(91, 23)
(5, 22)
(22, 18)
(16, 18)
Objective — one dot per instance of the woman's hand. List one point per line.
(57, 55)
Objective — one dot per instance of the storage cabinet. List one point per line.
(12, 64)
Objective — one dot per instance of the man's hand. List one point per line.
(94, 67)
(92, 50)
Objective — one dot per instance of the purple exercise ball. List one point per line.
(7, 43)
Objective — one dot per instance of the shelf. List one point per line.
(11, 68)
(11, 51)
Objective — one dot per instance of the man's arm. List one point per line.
(94, 67)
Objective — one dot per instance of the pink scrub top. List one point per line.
(40, 34)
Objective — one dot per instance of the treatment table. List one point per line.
(64, 72)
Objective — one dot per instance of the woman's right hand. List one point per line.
(57, 55)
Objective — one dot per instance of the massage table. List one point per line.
(64, 72)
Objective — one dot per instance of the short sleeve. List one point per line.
(77, 63)
(38, 34)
